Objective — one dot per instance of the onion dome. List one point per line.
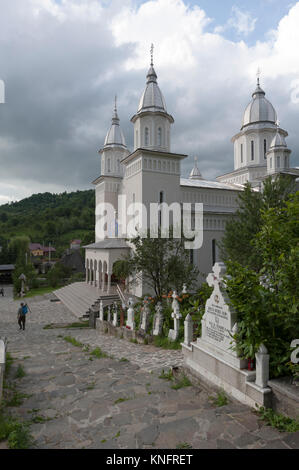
(195, 173)
(115, 136)
(259, 109)
(278, 140)
(152, 98)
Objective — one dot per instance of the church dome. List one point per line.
(115, 136)
(195, 173)
(259, 109)
(278, 140)
(152, 98)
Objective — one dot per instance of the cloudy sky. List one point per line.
(62, 61)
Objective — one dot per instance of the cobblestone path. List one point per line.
(82, 401)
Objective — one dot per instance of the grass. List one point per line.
(133, 341)
(16, 399)
(98, 353)
(20, 372)
(16, 434)
(8, 363)
(124, 359)
(166, 375)
(278, 421)
(183, 382)
(183, 445)
(39, 291)
(220, 400)
(73, 341)
(165, 343)
(121, 400)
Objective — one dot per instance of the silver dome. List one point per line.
(115, 136)
(278, 140)
(195, 173)
(259, 109)
(152, 98)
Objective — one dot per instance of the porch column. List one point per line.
(100, 280)
(90, 276)
(109, 283)
(86, 275)
(95, 278)
(103, 281)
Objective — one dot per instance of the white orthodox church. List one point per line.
(152, 173)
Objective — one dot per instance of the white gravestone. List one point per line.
(188, 330)
(101, 311)
(158, 320)
(176, 315)
(115, 316)
(130, 314)
(145, 315)
(219, 320)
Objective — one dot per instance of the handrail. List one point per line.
(121, 294)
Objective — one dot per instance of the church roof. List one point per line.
(195, 173)
(259, 109)
(210, 184)
(109, 243)
(115, 136)
(152, 98)
(278, 140)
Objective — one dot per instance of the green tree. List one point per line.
(266, 300)
(163, 263)
(237, 242)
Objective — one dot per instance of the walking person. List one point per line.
(22, 312)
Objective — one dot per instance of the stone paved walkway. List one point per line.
(112, 403)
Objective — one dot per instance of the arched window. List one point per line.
(159, 137)
(252, 150)
(278, 162)
(265, 148)
(118, 166)
(241, 153)
(108, 165)
(146, 136)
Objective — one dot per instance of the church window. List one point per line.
(213, 252)
(145, 163)
(271, 162)
(241, 153)
(278, 162)
(265, 148)
(252, 150)
(118, 166)
(159, 137)
(108, 165)
(146, 136)
(159, 165)
(136, 139)
(150, 164)
(286, 161)
(155, 164)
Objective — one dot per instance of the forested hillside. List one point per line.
(46, 217)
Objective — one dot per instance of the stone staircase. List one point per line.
(80, 297)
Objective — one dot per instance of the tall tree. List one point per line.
(237, 242)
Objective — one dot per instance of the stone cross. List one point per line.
(188, 330)
(23, 280)
(115, 317)
(130, 314)
(109, 314)
(158, 320)
(176, 315)
(262, 367)
(101, 311)
(145, 315)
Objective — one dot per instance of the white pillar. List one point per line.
(100, 279)
(109, 283)
(103, 281)
(262, 367)
(188, 330)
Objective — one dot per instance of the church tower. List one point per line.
(152, 122)
(278, 156)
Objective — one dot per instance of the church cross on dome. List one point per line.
(152, 55)
(258, 74)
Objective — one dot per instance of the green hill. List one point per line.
(46, 217)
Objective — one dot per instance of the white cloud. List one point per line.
(68, 59)
(241, 21)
